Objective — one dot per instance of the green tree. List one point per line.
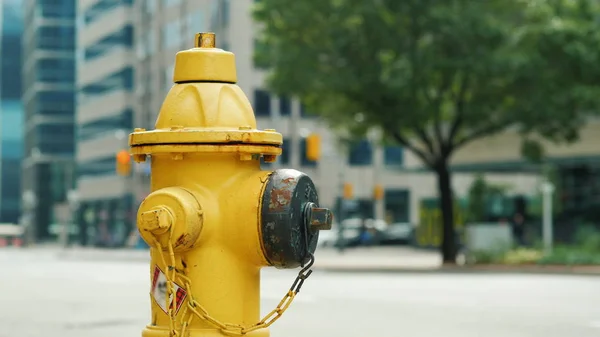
(436, 75)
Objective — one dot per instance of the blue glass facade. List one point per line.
(49, 105)
(11, 110)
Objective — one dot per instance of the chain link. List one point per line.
(195, 309)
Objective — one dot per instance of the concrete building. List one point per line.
(11, 110)
(48, 98)
(125, 55)
(105, 114)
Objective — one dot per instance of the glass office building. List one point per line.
(48, 76)
(11, 110)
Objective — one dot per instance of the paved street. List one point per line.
(44, 295)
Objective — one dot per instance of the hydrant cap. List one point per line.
(205, 62)
(206, 111)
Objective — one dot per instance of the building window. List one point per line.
(56, 70)
(117, 81)
(172, 34)
(393, 156)
(122, 37)
(169, 3)
(56, 38)
(304, 161)
(103, 7)
(146, 46)
(62, 180)
(54, 103)
(262, 103)
(104, 126)
(56, 138)
(98, 167)
(285, 106)
(59, 9)
(361, 154)
(356, 208)
(285, 152)
(149, 6)
(397, 205)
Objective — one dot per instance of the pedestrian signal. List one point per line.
(313, 147)
(348, 191)
(378, 192)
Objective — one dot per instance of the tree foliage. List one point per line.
(436, 75)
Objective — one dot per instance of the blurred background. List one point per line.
(78, 76)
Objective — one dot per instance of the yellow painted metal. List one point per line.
(203, 231)
(204, 62)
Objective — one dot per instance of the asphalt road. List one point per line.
(43, 295)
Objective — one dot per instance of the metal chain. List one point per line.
(195, 309)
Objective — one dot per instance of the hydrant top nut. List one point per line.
(319, 218)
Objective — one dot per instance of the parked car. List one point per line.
(398, 233)
(351, 232)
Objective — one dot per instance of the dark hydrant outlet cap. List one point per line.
(291, 219)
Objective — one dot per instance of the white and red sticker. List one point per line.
(159, 292)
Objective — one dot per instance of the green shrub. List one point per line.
(585, 251)
(587, 239)
(523, 256)
(486, 257)
(566, 255)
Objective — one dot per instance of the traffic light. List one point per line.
(123, 163)
(313, 147)
(378, 192)
(348, 191)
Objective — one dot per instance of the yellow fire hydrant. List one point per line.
(213, 217)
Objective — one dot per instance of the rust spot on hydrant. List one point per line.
(181, 240)
(280, 198)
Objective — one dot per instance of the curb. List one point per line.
(489, 269)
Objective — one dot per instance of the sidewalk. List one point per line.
(377, 259)
(355, 260)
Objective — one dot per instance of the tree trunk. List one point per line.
(447, 208)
